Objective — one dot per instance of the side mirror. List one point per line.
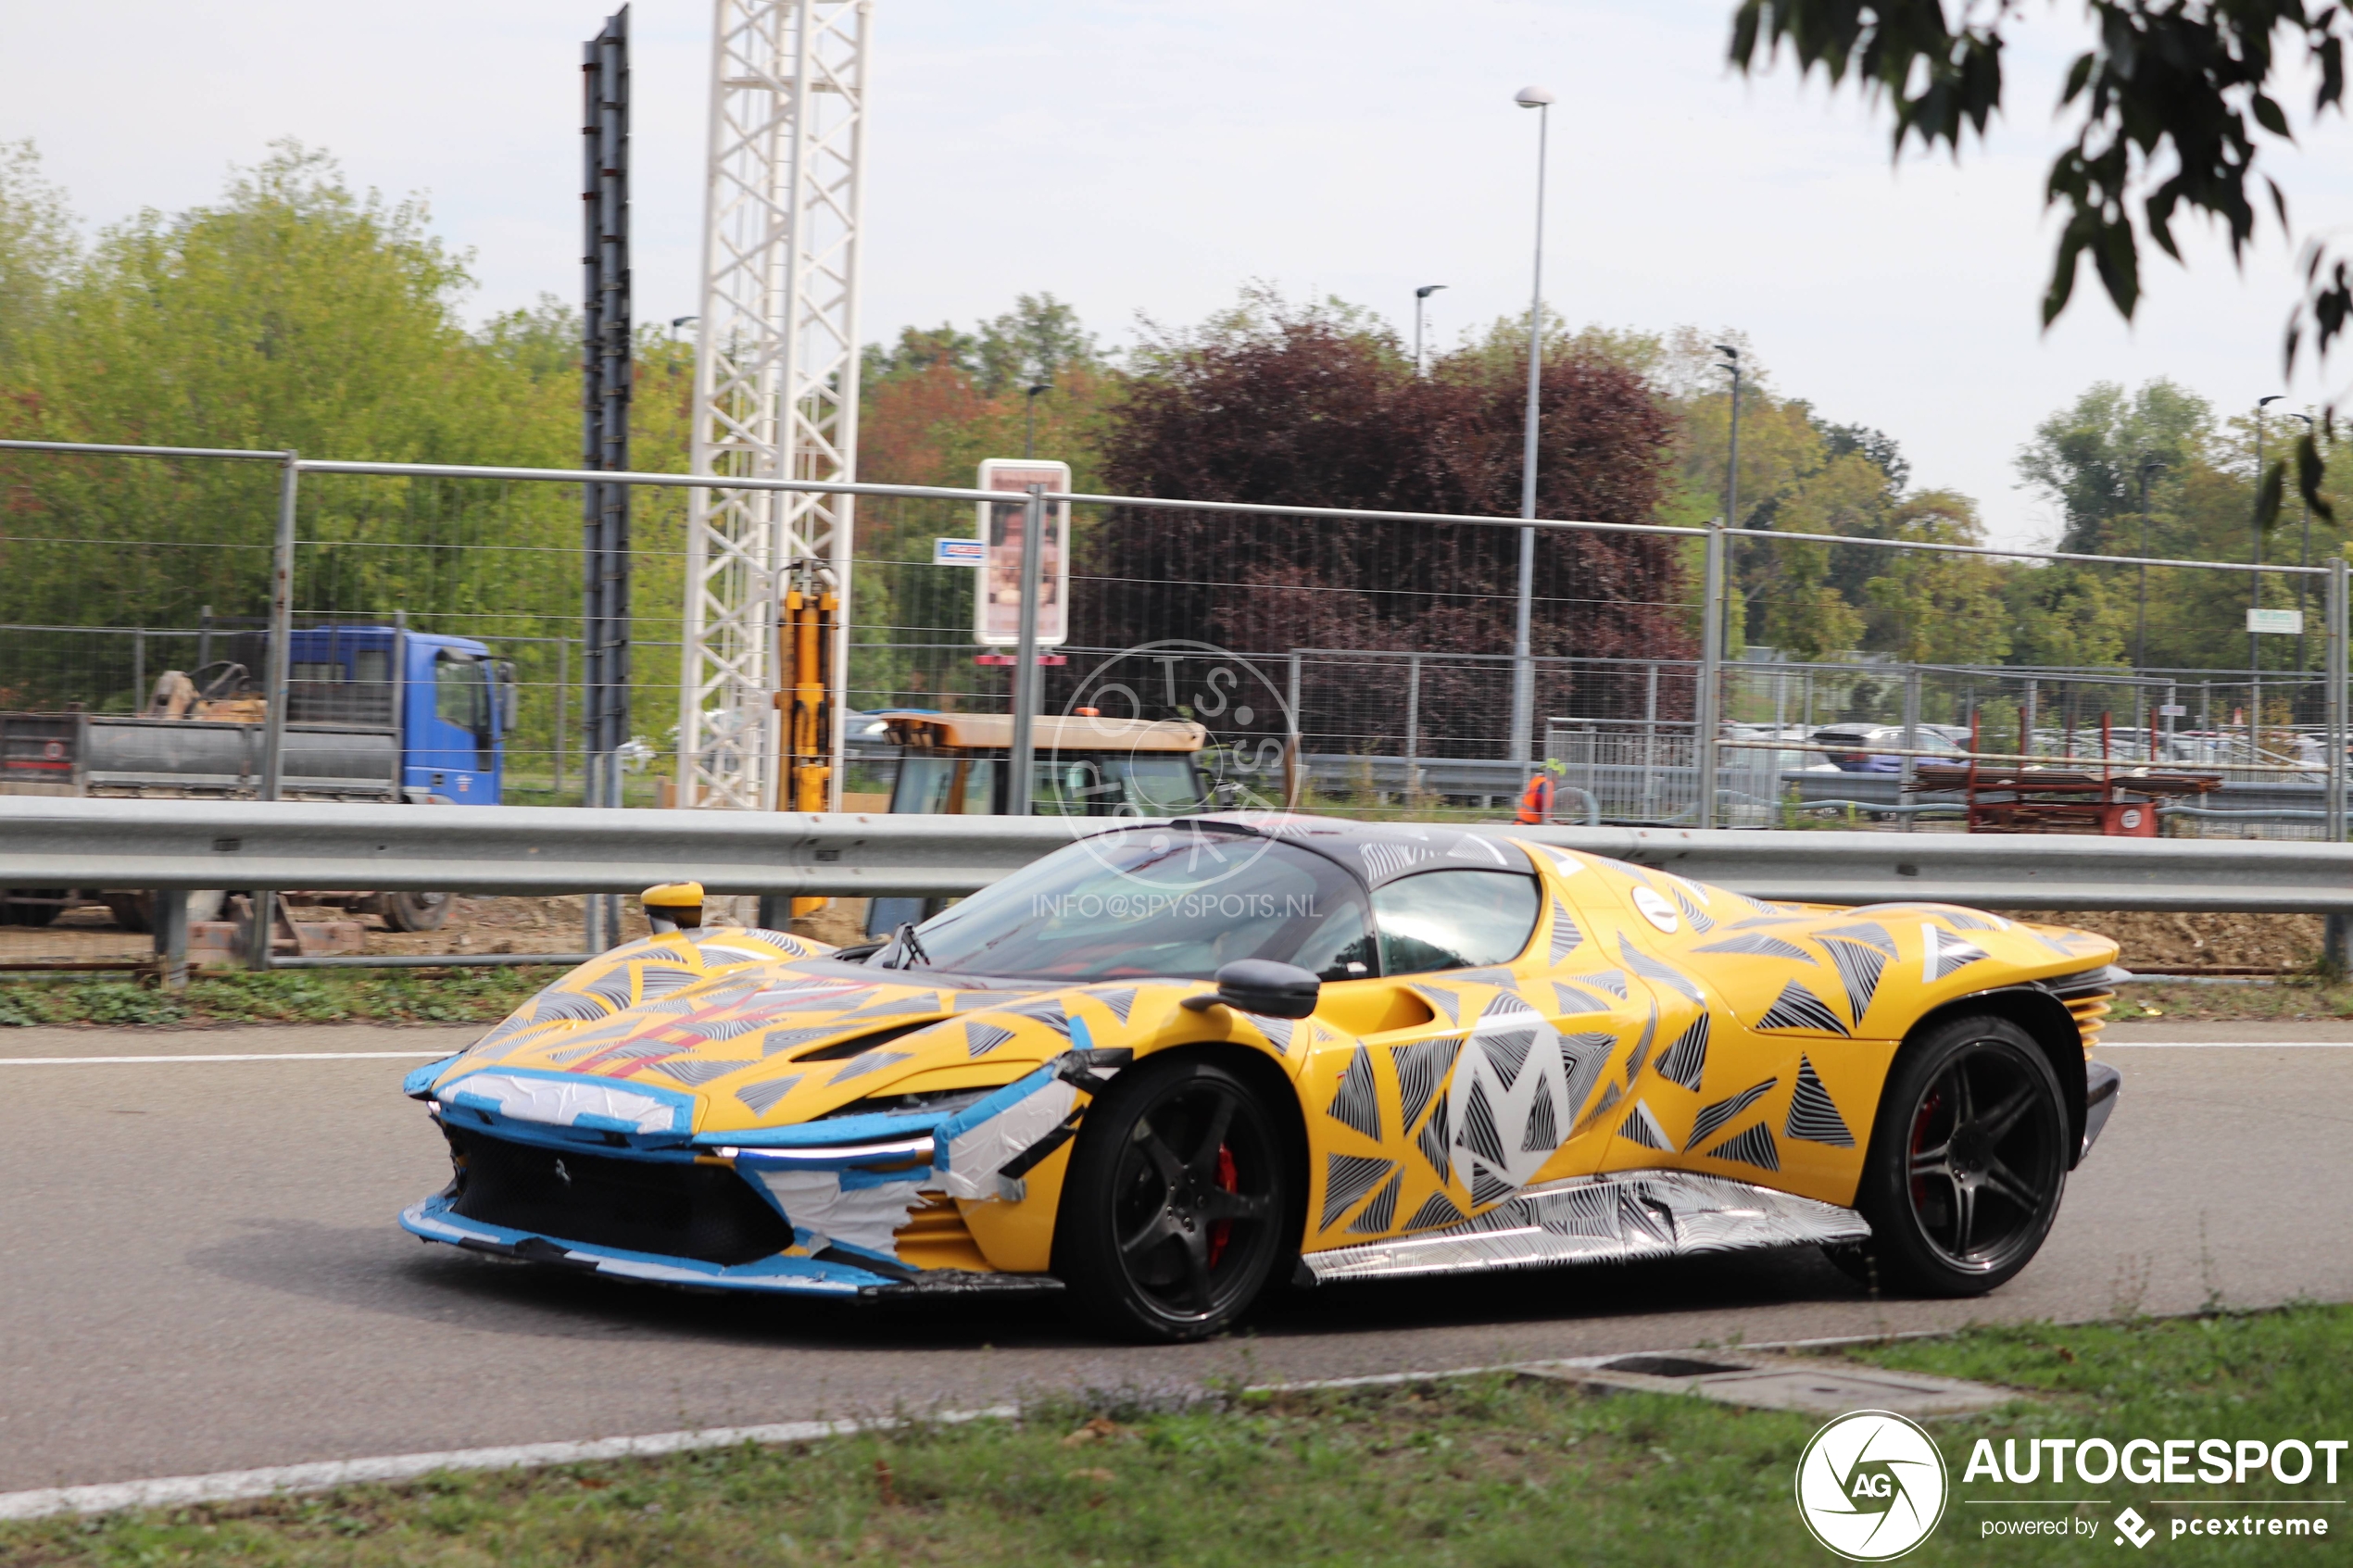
(1263, 986)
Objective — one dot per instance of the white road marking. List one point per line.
(251, 1056)
(178, 1491)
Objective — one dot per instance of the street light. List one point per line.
(2140, 624)
(1420, 295)
(1029, 417)
(678, 321)
(1732, 469)
(1523, 670)
(2255, 595)
(2304, 558)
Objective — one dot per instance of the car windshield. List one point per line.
(1130, 905)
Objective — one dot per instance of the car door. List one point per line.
(1760, 1021)
(1466, 1072)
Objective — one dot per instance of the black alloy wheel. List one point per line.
(1967, 1160)
(1177, 1203)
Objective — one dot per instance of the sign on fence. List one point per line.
(997, 602)
(2290, 621)
(961, 552)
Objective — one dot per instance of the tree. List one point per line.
(1320, 406)
(38, 246)
(2089, 457)
(2169, 104)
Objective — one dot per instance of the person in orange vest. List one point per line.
(1536, 800)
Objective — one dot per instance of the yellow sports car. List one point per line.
(1171, 1062)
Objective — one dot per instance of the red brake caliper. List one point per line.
(1227, 1181)
(1919, 1141)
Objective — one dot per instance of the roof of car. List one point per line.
(1378, 852)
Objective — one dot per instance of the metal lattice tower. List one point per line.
(777, 371)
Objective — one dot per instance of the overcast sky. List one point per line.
(1178, 149)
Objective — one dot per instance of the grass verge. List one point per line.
(1491, 1470)
(454, 996)
(2289, 1000)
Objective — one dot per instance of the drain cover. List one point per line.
(1822, 1387)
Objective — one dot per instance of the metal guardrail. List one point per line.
(517, 850)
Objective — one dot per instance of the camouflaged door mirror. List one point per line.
(1263, 986)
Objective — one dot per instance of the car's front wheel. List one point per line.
(1174, 1210)
(1967, 1160)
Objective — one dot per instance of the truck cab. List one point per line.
(455, 704)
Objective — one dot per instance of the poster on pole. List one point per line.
(997, 601)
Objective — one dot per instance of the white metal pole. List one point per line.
(2336, 697)
(1703, 709)
(1025, 746)
(1523, 670)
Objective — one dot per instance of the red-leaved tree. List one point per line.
(1286, 406)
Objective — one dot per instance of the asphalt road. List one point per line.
(199, 1272)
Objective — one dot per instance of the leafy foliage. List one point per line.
(1316, 405)
(2169, 101)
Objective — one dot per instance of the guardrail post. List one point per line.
(169, 924)
(1711, 655)
(1025, 746)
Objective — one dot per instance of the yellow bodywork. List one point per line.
(1675, 1027)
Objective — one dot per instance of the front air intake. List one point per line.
(670, 1207)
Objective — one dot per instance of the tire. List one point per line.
(414, 912)
(1967, 1161)
(1175, 1210)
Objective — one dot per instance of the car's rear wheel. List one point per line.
(1174, 1208)
(1967, 1161)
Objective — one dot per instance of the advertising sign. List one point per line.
(997, 602)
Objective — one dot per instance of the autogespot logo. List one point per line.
(1871, 1485)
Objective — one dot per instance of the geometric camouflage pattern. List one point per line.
(1650, 1022)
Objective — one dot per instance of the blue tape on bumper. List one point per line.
(433, 1220)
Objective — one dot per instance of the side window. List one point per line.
(1340, 948)
(461, 694)
(1454, 920)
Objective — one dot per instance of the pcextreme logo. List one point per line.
(1871, 1485)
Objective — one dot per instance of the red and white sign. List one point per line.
(997, 601)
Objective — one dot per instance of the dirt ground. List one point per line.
(2179, 943)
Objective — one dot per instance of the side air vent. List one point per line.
(857, 1045)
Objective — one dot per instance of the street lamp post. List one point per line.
(2304, 558)
(1523, 669)
(1029, 417)
(2255, 595)
(2141, 623)
(1421, 295)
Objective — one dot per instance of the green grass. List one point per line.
(2288, 999)
(1490, 1471)
(456, 996)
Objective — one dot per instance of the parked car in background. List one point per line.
(1857, 749)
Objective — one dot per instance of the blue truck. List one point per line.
(373, 713)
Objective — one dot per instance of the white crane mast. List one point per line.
(775, 374)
